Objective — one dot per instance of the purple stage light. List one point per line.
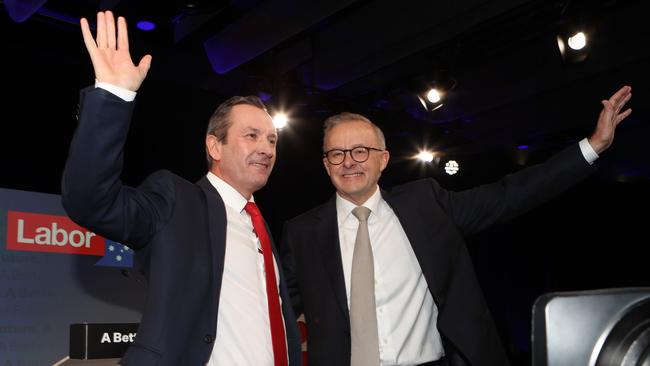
(146, 25)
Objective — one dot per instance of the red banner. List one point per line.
(50, 233)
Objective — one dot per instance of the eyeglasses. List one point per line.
(359, 154)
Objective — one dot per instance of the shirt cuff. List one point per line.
(125, 94)
(587, 151)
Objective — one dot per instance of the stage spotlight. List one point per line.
(280, 120)
(425, 156)
(577, 41)
(434, 95)
(432, 89)
(426, 104)
(452, 167)
(573, 46)
(609, 327)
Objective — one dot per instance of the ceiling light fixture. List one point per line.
(432, 90)
(145, 25)
(452, 167)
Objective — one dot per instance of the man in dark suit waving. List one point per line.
(385, 277)
(215, 294)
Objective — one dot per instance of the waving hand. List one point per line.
(109, 53)
(610, 117)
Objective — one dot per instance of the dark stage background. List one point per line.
(511, 90)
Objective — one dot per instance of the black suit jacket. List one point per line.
(177, 228)
(435, 221)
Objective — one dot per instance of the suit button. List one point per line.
(208, 338)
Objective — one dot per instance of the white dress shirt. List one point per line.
(243, 328)
(406, 313)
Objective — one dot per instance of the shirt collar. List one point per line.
(229, 195)
(344, 207)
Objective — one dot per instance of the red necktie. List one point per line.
(275, 313)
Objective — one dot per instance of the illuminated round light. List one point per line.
(146, 25)
(578, 41)
(425, 156)
(452, 167)
(280, 120)
(433, 96)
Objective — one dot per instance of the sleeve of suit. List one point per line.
(475, 209)
(92, 192)
(289, 270)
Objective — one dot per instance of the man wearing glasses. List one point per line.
(384, 278)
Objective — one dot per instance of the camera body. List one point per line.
(592, 328)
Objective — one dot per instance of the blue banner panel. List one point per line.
(54, 273)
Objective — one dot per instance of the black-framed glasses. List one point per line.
(359, 154)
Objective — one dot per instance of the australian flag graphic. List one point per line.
(116, 255)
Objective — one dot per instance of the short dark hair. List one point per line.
(220, 122)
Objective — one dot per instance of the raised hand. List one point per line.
(610, 117)
(109, 53)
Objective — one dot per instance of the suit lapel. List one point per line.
(327, 241)
(217, 221)
(422, 235)
(411, 223)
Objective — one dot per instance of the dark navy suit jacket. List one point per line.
(435, 221)
(177, 228)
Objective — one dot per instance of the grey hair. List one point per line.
(346, 117)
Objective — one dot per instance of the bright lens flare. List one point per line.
(280, 120)
(577, 41)
(425, 156)
(433, 96)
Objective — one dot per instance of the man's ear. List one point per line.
(213, 146)
(385, 157)
(327, 166)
